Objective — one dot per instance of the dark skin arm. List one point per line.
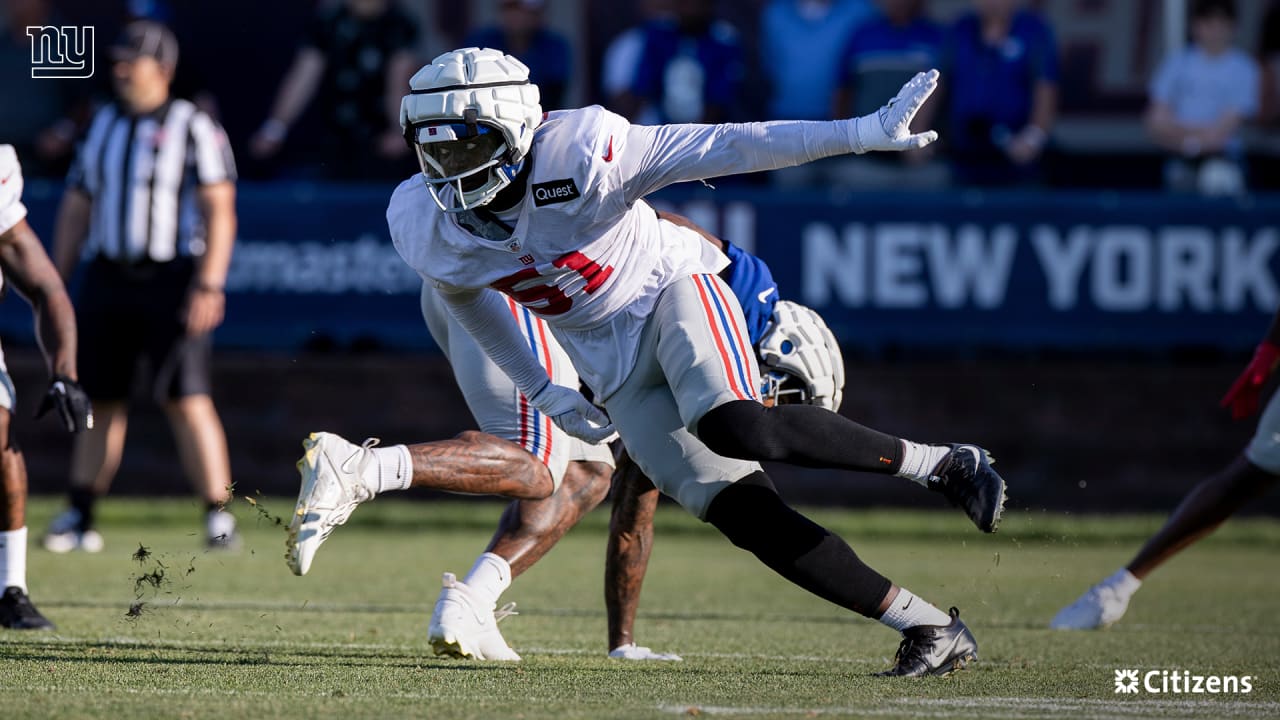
(28, 268)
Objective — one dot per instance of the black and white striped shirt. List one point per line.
(142, 172)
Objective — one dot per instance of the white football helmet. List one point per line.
(470, 117)
(800, 361)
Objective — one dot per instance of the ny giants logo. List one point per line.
(61, 52)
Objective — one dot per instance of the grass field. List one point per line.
(227, 636)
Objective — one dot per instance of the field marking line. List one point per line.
(1000, 707)
(396, 609)
(339, 648)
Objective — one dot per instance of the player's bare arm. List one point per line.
(27, 266)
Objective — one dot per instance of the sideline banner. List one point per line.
(955, 271)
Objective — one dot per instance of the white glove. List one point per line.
(572, 413)
(631, 651)
(889, 128)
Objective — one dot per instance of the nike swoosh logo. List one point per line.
(764, 296)
(10, 175)
(608, 154)
(904, 607)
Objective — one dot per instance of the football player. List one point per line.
(545, 210)
(463, 624)
(1208, 505)
(28, 268)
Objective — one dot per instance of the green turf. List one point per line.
(239, 637)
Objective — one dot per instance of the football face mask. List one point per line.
(464, 156)
(783, 388)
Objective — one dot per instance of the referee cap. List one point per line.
(146, 38)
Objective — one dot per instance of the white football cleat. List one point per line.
(631, 651)
(63, 535)
(1100, 607)
(463, 626)
(331, 490)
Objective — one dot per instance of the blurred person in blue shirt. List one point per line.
(521, 32)
(884, 53)
(1000, 72)
(1200, 98)
(689, 71)
(801, 42)
(800, 46)
(622, 56)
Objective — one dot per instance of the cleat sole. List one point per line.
(306, 466)
(449, 647)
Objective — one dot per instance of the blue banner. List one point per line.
(957, 271)
(1067, 270)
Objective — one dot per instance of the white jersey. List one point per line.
(584, 254)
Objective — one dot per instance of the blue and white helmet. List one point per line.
(800, 361)
(470, 116)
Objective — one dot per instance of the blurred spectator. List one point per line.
(1000, 71)
(690, 69)
(800, 46)
(357, 57)
(801, 43)
(1200, 97)
(1269, 58)
(881, 57)
(622, 57)
(40, 127)
(521, 32)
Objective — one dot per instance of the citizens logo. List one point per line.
(61, 52)
(1126, 681)
(1180, 682)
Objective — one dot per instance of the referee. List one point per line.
(150, 201)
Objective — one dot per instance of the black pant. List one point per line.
(128, 314)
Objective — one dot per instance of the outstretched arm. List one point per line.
(662, 155)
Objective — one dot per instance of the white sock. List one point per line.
(1123, 582)
(392, 469)
(908, 611)
(489, 577)
(219, 523)
(919, 461)
(13, 559)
